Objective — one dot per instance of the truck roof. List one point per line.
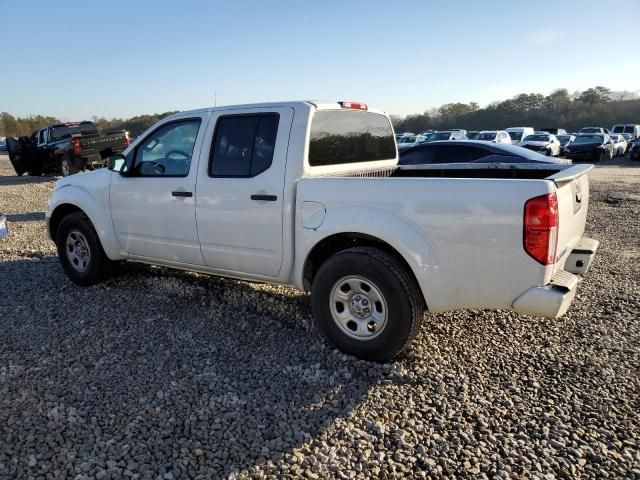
(319, 105)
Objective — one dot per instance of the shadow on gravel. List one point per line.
(161, 372)
(24, 180)
(26, 217)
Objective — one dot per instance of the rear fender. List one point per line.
(403, 236)
(94, 209)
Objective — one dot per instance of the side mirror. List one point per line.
(117, 163)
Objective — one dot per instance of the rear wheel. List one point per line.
(67, 167)
(366, 304)
(80, 251)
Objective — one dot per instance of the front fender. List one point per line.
(399, 233)
(96, 208)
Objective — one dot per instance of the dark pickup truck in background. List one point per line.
(65, 148)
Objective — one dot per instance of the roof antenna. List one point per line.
(215, 98)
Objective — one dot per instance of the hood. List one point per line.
(87, 180)
(534, 144)
(583, 147)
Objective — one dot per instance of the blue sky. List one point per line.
(74, 59)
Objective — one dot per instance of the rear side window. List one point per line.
(243, 145)
(421, 155)
(459, 154)
(339, 137)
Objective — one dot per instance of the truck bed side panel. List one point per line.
(470, 248)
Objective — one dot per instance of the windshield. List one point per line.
(65, 131)
(486, 136)
(564, 138)
(407, 140)
(438, 136)
(472, 135)
(590, 130)
(589, 139)
(516, 136)
(536, 138)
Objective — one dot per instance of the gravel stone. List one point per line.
(169, 375)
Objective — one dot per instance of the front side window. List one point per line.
(243, 145)
(167, 152)
(41, 137)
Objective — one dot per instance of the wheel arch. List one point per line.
(78, 200)
(337, 242)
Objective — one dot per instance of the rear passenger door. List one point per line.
(239, 193)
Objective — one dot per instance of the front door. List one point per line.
(153, 206)
(239, 204)
(19, 155)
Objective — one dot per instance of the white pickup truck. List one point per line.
(309, 195)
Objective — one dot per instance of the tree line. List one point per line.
(11, 126)
(597, 106)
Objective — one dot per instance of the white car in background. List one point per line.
(407, 141)
(619, 145)
(544, 143)
(495, 136)
(517, 134)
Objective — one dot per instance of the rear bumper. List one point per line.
(554, 299)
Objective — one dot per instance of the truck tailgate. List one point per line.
(116, 142)
(572, 190)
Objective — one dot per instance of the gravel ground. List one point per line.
(163, 374)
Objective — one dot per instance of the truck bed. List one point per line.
(465, 221)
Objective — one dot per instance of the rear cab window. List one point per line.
(343, 137)
(58, 132)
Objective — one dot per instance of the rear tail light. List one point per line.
(75, 145)
(354, 105)
(127, 140)
(541, 228)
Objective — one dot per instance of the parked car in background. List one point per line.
(544, 143)
(629, 139)
(555, 131)
(307, 179)
(3, 146)
(495, 136)
(634, 150)
(446, 135)
(619, 145)
(409, 140)
(600, 130)
(65, 148)
(472, 134)
(565, 140)
(471, 151)
(590, 147)
(517, 134)
(4, 226)
(630, 128)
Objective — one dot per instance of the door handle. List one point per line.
(182, 194)
(264, 198)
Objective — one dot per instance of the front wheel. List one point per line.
(80, 252)
(366, 303)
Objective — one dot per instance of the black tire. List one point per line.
(402, 297)
(98, 265)
(67, 167)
